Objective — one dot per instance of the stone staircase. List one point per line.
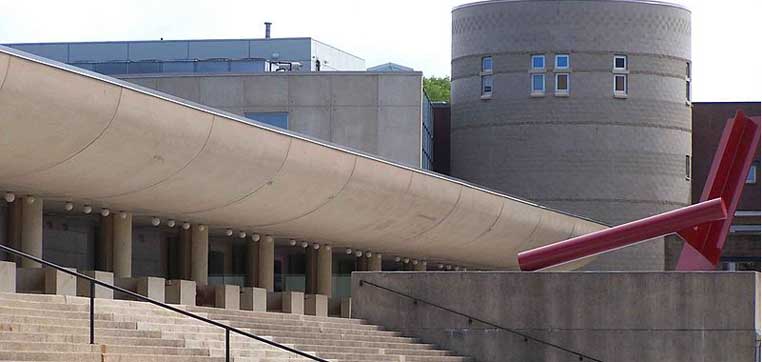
(36, 327)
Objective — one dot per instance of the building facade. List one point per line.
(579, 105)
(103, 174)
(378, 113)
(197, 56)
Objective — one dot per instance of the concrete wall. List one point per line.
(378, 113)
(623, 317)
(591, 154)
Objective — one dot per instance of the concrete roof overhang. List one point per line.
(69, 134)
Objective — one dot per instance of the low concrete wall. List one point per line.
(612, 316)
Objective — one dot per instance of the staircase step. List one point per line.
(56, 328)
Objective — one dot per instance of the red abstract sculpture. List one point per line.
(704, 226)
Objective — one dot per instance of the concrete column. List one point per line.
(252, 260)
(123, 245)
(325, 270)
(374, 263)
(31, 230)
(310, 270)
(266, 265)
(362, 263)
(421, 266)
(200, 254)
(104, 256)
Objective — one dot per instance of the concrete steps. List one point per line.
(35, 327)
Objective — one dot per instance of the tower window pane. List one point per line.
(487, 64)
(538, 83)
(562, 82)
(538, 62)
(620, 62)
(562, 61)
(487, 82)
(620, 83)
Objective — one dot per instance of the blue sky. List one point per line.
(726, 35)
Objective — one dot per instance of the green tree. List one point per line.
(437, 88)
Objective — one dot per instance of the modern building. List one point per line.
(580, 105)
(209, 173)
(103, 174)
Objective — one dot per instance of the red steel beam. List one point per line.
(623, 235)
(726, 180)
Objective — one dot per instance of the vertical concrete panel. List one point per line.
(184, 87)
(221, 92)
(356, 127)
(399, 134)
(265, 90)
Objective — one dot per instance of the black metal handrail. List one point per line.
(94, 281)
(471, 319)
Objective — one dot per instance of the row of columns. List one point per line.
(114, 250)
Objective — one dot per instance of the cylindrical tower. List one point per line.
(579, 105)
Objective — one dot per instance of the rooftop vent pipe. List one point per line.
(267, 29)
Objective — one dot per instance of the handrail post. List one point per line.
(92, 312)
(227, 344)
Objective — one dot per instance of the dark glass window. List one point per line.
(487, 83)
(620, 62)
(562, 82)
(278, 119)
(620, 83)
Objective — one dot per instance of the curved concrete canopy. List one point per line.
(71, 134)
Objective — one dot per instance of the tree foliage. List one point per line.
(437, 88)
